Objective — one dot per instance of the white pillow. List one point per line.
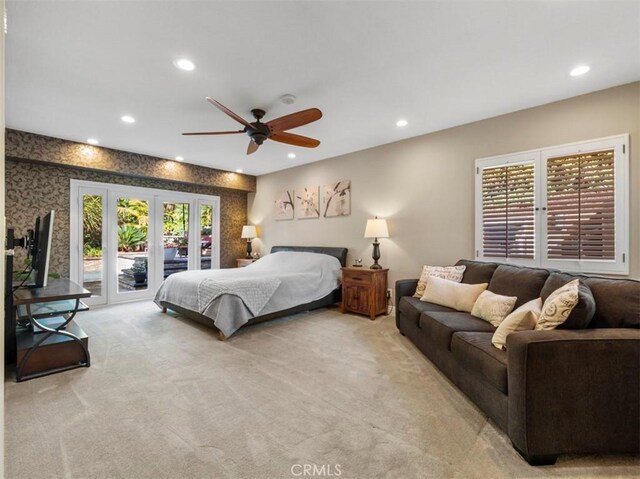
(493, 307)
(452, 273)
(558, 306)
(459, 296)
(522, 319)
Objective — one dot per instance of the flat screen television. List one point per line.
(41, 250)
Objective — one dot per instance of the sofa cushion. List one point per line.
(617, 302)
(476, 271)
(524, 283)
(493, 307)
(522, 319)
(583, 312)
(558, 306)
(476, 354)
(411, 308)
(452, 273)
(458, 296)
(440, 326)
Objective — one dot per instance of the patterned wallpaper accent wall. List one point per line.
(31, 146)
(33, 189)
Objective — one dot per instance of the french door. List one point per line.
(126, 240)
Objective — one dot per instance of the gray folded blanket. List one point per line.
(254, 293)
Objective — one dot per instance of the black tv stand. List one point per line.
(53, 343)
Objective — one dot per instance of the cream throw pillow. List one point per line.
(452, 273)
(558, 306)
(522, 319)
(459, 296)
(493, 307)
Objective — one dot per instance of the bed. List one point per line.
(291, 279)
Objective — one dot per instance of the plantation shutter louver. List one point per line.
(581, 206)
(508, 211)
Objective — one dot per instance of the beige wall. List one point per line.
(424, 186)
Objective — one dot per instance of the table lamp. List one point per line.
(248, 233)
(376, 228)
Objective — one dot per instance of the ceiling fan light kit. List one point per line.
(275, 130)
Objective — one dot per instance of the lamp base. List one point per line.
(376, 254)
(248, 249)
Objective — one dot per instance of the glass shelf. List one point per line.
(51, 308)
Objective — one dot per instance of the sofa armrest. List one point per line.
(405, 287)
(574, 391)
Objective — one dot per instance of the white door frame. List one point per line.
(76, 245)
(155, 247)
(114, 295)
(215, 226)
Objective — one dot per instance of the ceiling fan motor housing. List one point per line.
(260, 132)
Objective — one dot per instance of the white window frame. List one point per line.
(620, 145)
(524, 158)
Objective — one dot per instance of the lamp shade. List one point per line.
(376, 228)
(249, 232)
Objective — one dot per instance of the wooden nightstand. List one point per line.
(364, 291)
(242, 262)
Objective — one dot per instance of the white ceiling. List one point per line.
(75, 67)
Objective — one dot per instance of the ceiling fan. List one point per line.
(274, 129)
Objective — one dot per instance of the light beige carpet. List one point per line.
(165, 399)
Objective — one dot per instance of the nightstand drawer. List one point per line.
(353, 277)
(242, 262)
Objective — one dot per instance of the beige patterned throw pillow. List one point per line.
(452, 273)
(459, 296)
(558, 306)
(522, 319)
(493, 307)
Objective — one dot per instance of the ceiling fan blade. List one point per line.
(297, 140)
(214, 132)
(295, 120)
(252, 148)
(238, 118)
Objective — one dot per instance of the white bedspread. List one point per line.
(275, 282)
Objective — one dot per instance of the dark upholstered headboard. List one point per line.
(340, 253)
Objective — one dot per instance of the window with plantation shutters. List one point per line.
(563, 207)
(508, 229)
(581, 206)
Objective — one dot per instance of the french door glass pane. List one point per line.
(133, 227)
(206, 230)
(175, 237)
(92, 262)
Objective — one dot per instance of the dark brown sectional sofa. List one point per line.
(552, 392)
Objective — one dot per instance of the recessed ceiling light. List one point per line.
(402, 123)
(92, 141)
(239, 170)
(184, 64)
(291, 155)
(179, 158)
(581, 70)
(128, 119)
